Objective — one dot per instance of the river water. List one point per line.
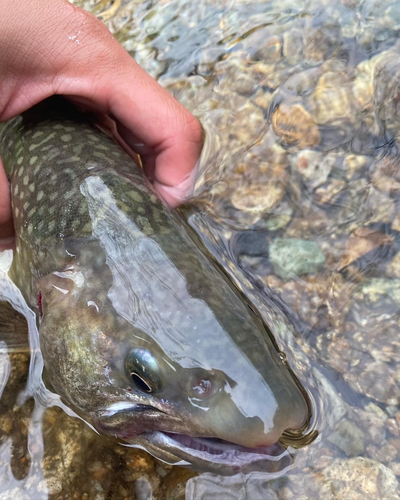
(298, 198)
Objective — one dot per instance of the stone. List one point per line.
(333, 100)
(257, 198)
(393, 267)
(313, 167)
(294, 124)
(349, 438)
(293, 257)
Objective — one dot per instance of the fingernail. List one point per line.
(175, 195)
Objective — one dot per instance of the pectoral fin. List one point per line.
(13, 328)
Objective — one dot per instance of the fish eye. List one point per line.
(143, 370)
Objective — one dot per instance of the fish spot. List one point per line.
(66, 137)
(98, 154)
(34, 146)
(16, 189)
(20, 160)
(93, 137)
(135, 196)
(77, 149)
(156, 214)
(70, 194)
(87, 227)
(26, 206)
(31, 188)
(37, 134)
(51, 225)
(101, 146)
(76, 223)
(72, 159)
(22, 195)
(16, 211)
(53, 197)
(145, 226)
(33, 160)
(39, 196)
(25, 180)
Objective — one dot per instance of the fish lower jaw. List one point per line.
(214, 455)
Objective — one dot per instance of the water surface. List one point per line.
(297, 197)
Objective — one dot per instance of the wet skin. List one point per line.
(141, 334)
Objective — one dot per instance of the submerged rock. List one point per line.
(295, 125)
(349, 438)
(294, 257)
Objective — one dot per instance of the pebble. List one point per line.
(294, 125)
(293, 257)
(313, 167)
(349, 438)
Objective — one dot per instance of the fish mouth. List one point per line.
(213, 454)
(205, 454)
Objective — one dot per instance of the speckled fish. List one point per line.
(141, 333)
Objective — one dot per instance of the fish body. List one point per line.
(141, 333)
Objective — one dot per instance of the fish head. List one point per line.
(196, 385)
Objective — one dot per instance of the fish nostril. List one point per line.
(202, 388)
(204, 384)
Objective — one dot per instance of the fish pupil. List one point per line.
(140, 383)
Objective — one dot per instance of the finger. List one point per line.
(6, 224)
(169, 135)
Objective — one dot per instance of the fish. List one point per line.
(142, 334)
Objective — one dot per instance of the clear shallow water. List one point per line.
(298, 198)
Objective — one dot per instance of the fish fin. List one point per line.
(13, 328)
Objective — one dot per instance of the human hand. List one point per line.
(52, 47)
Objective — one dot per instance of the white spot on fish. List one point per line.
(71, 274)
(34, 146)
(120, 406)
(93, 304)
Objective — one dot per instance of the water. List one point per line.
(298, 198)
